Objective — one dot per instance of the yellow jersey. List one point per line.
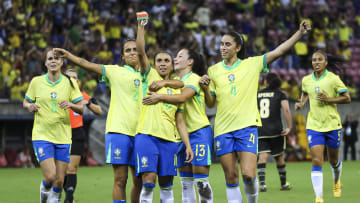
(125, 101)
(158, 120)
(236, 93)
(52, 123)
(323, 117)
(194, 107)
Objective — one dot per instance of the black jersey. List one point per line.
(269, 105)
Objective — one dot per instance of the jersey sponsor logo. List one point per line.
(218, 148)
(137, 82)
(41, 152)
(231, 77)
(169, 92)
(117, 153)
(144, 161)
(53, 95)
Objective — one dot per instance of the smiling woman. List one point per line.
(324, 90)
(50, 97)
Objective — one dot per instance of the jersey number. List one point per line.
(200, 150)
(53, 107)
(136, 95)
(233, 90)
(264, 108)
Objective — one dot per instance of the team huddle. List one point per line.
(157, 126)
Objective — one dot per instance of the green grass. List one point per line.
(95, 185)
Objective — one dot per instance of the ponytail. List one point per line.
(198, 66)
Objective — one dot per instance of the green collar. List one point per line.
(131, 69)
(233, 66)
(53, 84)
(186, 76)
(321, 77)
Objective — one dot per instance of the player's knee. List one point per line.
(317, 161)
(148, 178)
(232, 177)
(50, 177)
(333, 162)
(72, 169)
(120, 181)
(248, 178)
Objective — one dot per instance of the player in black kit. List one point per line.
(272, 136)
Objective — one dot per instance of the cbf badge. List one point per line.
(136, 82)
(317, 89)
(231, 77)
(53, 95)
(169, 92)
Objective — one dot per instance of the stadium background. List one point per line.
(95, 30)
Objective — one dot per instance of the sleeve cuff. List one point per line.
(193, 87)
(29, 100)
(147, 71)
(180, 110)
(265, 66)
(343, 90)
(77, 100)
(212, 93)
(103, 75)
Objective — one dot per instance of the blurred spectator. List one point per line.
(350, 135)
(25, 158)
(3, 161)
(344, 50)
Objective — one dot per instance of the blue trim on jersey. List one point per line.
(147, 71)
(148, 185)
(180, 110)
(193, 87)
(236, 64)
(212, 93)
(343, 90)
(321, 77)
(186, 174)
(232, 185)
(249, 182)
(103, 74)
(265, 67)
(316, 168)
(77, 100)
(196, 175)
(29, 100)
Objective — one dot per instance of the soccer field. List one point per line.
(95, 185)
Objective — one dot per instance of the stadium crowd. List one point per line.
(95, 30)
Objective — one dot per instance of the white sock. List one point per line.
(146, 195)
(55, 195)
(204, 188)
(233, 193)
(251, 190)
(44, 192)
(166, 194)
(336, 171)
(188, 190)
(317, 181)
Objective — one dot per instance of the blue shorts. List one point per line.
(331, 139)
(245, 139)
(201, 143)
(119, 149)
(155, 155)
(45, 149)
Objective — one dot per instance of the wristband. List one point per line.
(142, 15)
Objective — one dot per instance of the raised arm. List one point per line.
(140, 44)
(180, 124)
(209, 98)
(287, 112)
(304, 28)
(303, 99)
(96, 68)
(154, 98)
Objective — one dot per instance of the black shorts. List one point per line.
(78, 141)
(275, 146)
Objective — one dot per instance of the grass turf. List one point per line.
(95, 185)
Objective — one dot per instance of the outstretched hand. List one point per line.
(60, 52)
(305, 27)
